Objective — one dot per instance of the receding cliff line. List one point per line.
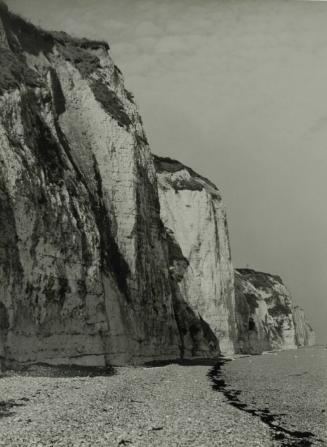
(109, 255)
(266, 317)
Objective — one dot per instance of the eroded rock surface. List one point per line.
(191, 207)
(266, 317)
(304, 334)
(88, 272)
(84, 268)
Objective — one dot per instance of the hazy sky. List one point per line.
(238, 91)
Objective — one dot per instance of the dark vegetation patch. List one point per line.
(34, 39)
(190, 184)
(279, 309)
(23, 36)
(166, 164)
(110, 102)
(286, 437)
(259, 279)
(87, 44)
(14, 72)
(84, 61)
(252, 301)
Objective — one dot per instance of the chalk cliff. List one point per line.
(304, 334)
(85, 271)
(191, 207)
(108, 255)
(266, 317)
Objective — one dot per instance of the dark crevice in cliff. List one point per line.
(285, 437)
(40, 140)
(112, 261)
(53, 163)
(58, 96)
(148, 275)
(9, 254)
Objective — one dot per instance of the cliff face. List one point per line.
(84, 263)
(304, 334)
(87, 273)
(191, 207)
(266, 317)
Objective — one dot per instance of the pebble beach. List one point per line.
(171, 405)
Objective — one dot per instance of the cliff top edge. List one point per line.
(13, 22)
(166, 164)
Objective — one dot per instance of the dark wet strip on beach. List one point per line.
(287, 438)
(7, 406)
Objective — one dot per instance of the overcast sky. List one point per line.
(238, 91)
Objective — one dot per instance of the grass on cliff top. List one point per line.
(166, 164)
(279, 309)
(259, 279)
(34, 39)
(23, 36)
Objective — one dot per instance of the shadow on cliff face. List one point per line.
(45, 370)
(285, 437)
(196, 336)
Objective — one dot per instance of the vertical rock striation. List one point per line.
(84, 271)
(304, 334)
(191, 207)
